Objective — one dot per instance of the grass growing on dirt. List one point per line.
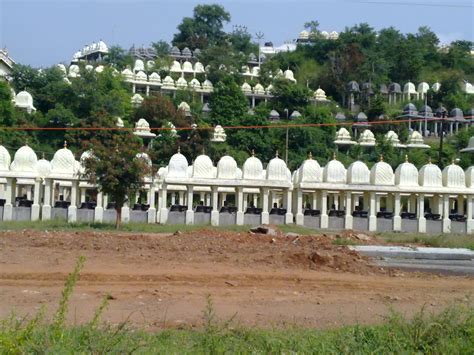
(438, 241)
(451, 331)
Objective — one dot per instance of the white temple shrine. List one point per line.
(219, 134)
(429, 200)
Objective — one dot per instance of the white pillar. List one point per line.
(460, 204)
(324, 210)
(372, 214)
(240, 206)
(289, 214)
(223, 198)
(35, 208)
(265, 214)
(245, 202)
(469, 220)
(349, 220)
(299, 207)
(99, 208)
(181, 198)
(397, 219)
(446, 220)
(421, 214)
(173, 198)
(125, 213)
(215, 207)
(72, 209)
(46, 209)
(9, 200)
(190, 211)
(314, 204)
(412, 204)
(164, 205)
(83, 195)
(151, 201)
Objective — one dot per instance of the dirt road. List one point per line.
(159, 281)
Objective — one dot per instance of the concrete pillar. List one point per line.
(314, 203)
(299, 207)
(377, 203)
(215, 207)
(265, 213)
(125, 212)
(164, 205)
(372, 214)
(35, 208)
(469, 220)
(83, 195)
(240, 206)
(412, 203)
(255, 200)
(151, 200)
(366, 201)
(181, 198)
(173, 198)
(46, 209)
(289, 214)
(446, 221)
(190, 211)
(223, 198)
(324, 210)
(208, 199)
(9, 200)
(202, 198)
(397, 219)
(72, 209)
(460, 204)
(421, 214)
(349, 220)
(245, 202)
(99, 208)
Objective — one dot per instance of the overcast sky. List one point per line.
(43, 33)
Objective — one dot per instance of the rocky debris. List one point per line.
(264, 230)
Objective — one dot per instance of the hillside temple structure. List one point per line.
(429, 200)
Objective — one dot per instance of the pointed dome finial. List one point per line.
(42, 155)
(203, 151)
(453, 161)
(406, 158)
(310, 155)
(276, 154)
(333, 155)
(179, 149)
(429, 160)
(65, 144)
(381, 157)
(253, 153)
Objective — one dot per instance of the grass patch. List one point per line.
(437, 241)
(450, 332)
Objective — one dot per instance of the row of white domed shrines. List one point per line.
(381, 173)
(64, 165)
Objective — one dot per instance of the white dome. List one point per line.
(99, 69)
(43, 167)
(150, 65)
(137, 99)
(184, 106)
(24, 160)
(188, 67)
(392, 138)
(258, 89)
(74, 71)
(246, 88)
(409, 88)
(325, 34)
(310, 171)
(178, 166)
(246, 70)
(269, 89)
(127, 74)
(175, 67)
(181, 83)
(198, 67)
(470, 177)
(320, 95)
(5, 159)
(63, 162)
(430, 175)
(289, 75)
(89, 67)
(343, 137)
(207, 85)
(253, 169)
(423, 88)
(277, 170)
(24, 100)
(382, 174)
(195, 84)
(154, 77)
(406, 174)
(415, 140)
(435, 87)
(334, 35)
(358, 173)
(145, 157)
(255, 71)
(304, 35)
(139, 65)
(367, 138)
(334, 172)
(203, 167)
(227, 168)
(168, 82)
(62, 67)
(453, 176)
(141, 76)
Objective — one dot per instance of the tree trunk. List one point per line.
(118, 218)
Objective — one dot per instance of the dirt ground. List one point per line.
(162, 281)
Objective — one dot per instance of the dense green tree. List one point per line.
(290, 96)
(205, 28)
(227, 102)
(118, 57)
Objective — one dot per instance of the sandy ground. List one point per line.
(162, 281)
